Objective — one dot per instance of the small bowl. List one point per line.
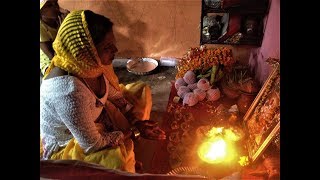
(143, 66)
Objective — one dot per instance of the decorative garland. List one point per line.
(203, 58)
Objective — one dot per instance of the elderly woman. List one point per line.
(84, 113)
(51, 16)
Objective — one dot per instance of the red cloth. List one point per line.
(234, 26)
(77, 170)
(203, 112)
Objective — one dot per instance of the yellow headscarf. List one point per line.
(76, 53)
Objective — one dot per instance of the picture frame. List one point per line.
(262, 120)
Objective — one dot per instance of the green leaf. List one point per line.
(219, 75)
(213, 73)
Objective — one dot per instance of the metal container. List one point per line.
(168, 61)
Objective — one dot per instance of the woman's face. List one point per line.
(50, 9)
(107, 49)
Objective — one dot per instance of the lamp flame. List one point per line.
(213, 151)
(219, 147)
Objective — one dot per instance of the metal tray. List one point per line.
(142, 66)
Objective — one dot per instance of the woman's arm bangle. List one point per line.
(135, 132)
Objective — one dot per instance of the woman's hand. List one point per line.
(150, 130)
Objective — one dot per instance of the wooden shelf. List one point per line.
(242, 15)
(239, 9)
(245, 40)
(246, 7)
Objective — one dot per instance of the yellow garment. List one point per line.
(41, 148)
(47, 33)
(139, 95)
(44, 61)
(77, 54)
(121, 157)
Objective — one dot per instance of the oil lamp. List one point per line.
(219, 146)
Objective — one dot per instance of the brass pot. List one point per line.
(229, 91)
(245, 100)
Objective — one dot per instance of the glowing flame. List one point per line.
(213, 151)
(229, 134)
(244, 161)
(219, 147)
(214, 131)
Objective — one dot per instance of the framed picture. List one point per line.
(262, 120)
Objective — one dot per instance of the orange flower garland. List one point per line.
(203, 58)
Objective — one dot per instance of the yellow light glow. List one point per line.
(229, 134)
(214, 131)
(244, 161)
(219, 147)
(213, 151)
(216, 150)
